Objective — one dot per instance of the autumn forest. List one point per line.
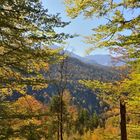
(48, 92)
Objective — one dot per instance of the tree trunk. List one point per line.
(61, 118)
(58, 127)
(123, 120)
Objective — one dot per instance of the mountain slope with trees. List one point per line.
(77, 70)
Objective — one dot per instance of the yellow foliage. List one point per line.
(27, 104)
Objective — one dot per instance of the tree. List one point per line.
(27, 31)
(120, 33)
(24, 118)
(55, 110)
(118, 93)
(111, 34)
(94, 120)
(60, 81)
(83, 121)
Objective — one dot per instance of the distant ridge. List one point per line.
(103, 59)
(98, 59)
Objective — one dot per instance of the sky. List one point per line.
(77, 26)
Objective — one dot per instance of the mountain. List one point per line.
(77, 70)
(99, 59)
(105, 60)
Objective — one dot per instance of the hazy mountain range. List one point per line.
(98, 59)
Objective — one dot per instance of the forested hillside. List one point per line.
(77, 70)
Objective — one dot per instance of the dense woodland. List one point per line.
(45, 94)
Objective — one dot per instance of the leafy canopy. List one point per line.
(26, 32)
(120, 29)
